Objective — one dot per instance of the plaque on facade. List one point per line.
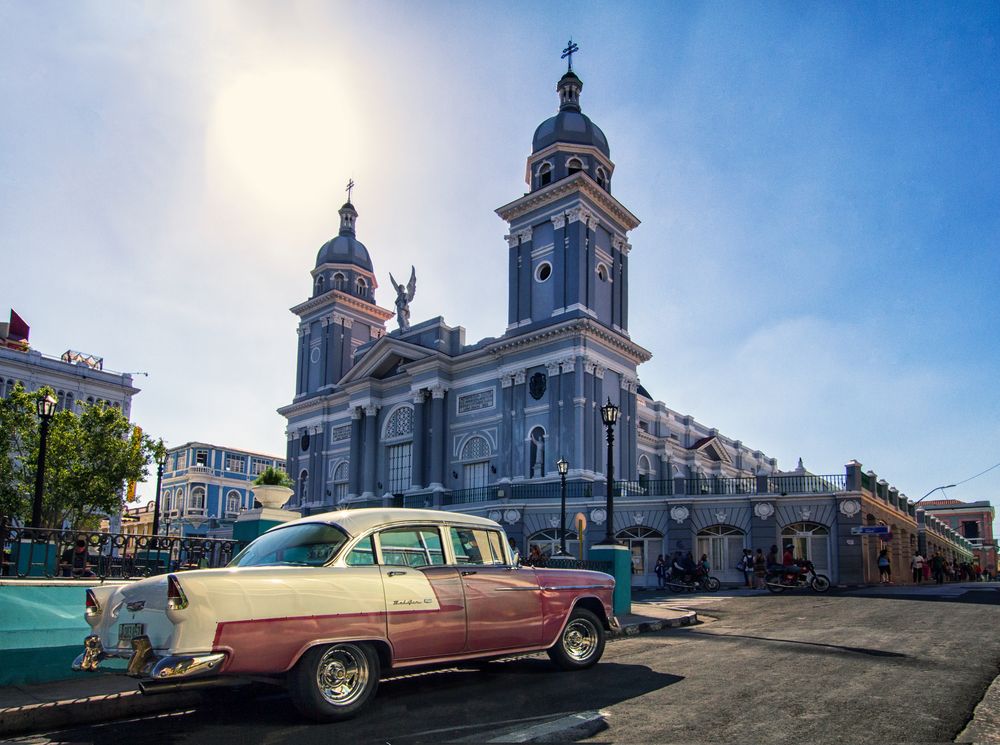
(763, 510)
(476, 401)
(850, 507)
(598, 516)
(679, 514)
(339, 434)
(536, 386)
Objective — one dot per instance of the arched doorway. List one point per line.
(811, 541)
(723, 544)
(548, 542)
(644, 544)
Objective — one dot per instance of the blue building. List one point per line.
(416, 416)
(206, 486)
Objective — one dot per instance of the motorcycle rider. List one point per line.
(788, 565)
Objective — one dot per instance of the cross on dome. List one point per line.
(568, 52)
(350, 186)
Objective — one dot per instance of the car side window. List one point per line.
(496, 546)
(412, 547)
(363, 554)
(472, 546)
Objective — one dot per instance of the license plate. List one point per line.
(128, 631)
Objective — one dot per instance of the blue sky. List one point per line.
(816, 273)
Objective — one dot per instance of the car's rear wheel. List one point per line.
(581, 643)
(334, 682)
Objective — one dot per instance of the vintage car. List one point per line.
(328, 603)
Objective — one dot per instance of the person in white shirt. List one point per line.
(917, 565)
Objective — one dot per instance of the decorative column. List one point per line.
(419, 438)
(300, 386)
(560, 256)
(346, 346)
(507, 426)
(437, 438)
(520, 436)
(354, 465)
(325, 351)
(596, 424)
(514, 280)
(623, 296)
(525, 278)
(579, 401)
(553, 449)
(370, 451)
(590, 262)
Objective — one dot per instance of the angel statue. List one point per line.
(403, 297)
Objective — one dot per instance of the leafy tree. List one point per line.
(90, 457)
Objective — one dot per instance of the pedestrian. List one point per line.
(937, 567)
(917, 565)
(660, 569)
(515, 555)
(75, 562)
(884, 569)
(760, 569)
(746, 566)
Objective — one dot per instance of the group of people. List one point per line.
(681, 566)
(937, 567)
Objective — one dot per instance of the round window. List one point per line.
(543, 272)
(304, 442)
(314, 355)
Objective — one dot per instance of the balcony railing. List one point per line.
(38, 553)
(807, 484)
(552, 490)
(475, 494)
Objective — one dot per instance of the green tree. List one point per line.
(91, 456)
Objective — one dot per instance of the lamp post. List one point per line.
(563, 467)
(609, 415)
(161, 461)
(46, 410)
(936, 488)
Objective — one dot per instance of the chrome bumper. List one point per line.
(615, 624)
(144, 663)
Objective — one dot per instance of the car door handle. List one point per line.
(394, 574)
(467, 572)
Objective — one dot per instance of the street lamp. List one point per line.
(161, 461)
(563, 467)
(609, 414)
(46, 410)
(936, 488)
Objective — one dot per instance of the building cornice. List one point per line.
(577, 183)
(370, 309)
(566, 147)
(577, 326)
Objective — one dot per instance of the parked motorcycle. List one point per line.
(691, 583)
(779, 579)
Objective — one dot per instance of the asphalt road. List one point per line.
(790, 668)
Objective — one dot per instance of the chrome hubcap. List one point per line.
(580, 639)
(342, 674)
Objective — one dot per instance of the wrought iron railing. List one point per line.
(808, 484)
(595, 566)
(552, 490)
(42, 553)
(475, 494)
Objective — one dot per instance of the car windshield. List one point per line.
(309, 544)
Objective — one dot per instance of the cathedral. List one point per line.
(387, 412)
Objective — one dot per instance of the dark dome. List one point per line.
(569, 126)
(345, 249)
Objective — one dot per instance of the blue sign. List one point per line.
(871, 530)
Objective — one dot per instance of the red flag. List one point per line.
(18, 330)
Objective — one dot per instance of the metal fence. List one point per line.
(595, 566)
(552, 490)
(45, 553)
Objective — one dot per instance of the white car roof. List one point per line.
(359, 521)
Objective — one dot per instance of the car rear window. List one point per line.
(308, 544)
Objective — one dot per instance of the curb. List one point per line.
(644, 627)
(566, 729)
(89, 710)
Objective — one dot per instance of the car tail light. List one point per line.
(176, 599)
(93, 607)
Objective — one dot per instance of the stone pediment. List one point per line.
(711, 449)
(384, 360)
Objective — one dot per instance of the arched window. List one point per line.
(399, 428)
(602, 272)
(179, 500)
(476, 468)
(232, 502)
(602, 178)
(574, 165)
(548, 541)
(476, 448)
(69, 401)
(723, 544)
(362, 287)
(644, 471)
(339, 281)
(644, 545)
(320, 284)
(341, 475)
(545, 174)
(399, 423)
(810, 541)
(196, 505)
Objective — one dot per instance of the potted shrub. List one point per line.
(272, 488)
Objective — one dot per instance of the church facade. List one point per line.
(415, 416)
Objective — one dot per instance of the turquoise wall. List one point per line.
(41, 631)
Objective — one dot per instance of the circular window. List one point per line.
(314, 355)
(304, 442)
(543, 272)
(602, 272)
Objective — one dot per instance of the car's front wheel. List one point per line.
(581, 643)
(334, 682)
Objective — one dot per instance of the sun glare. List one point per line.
(287, 137)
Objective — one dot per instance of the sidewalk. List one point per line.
(101, 697)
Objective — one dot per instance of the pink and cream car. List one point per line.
(330, 602)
